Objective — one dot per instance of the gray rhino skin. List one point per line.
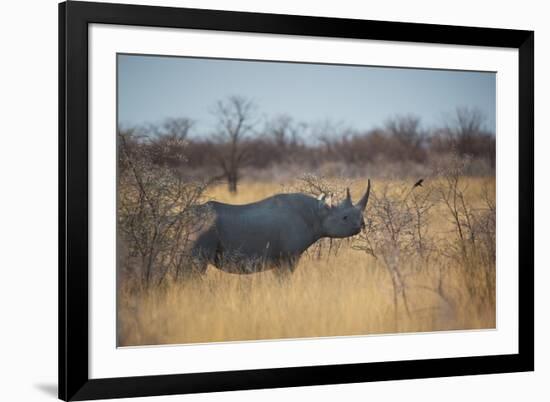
(272, 233)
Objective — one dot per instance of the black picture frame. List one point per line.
(74, 381)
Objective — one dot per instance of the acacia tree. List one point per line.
(236, 121)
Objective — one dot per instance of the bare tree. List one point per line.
(468, 121)
(284, 131)
(465, 128)
(283, 138)
(236, 120)
(326, 132)
(408, 137)
(405, 128)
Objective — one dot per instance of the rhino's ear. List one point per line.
(323, 202)
(325, 199)
(329, 200)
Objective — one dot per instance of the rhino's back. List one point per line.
(268, 228)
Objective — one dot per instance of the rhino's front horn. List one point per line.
(362, 204)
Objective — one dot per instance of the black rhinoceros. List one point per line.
(272, 233)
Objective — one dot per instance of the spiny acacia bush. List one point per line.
(473, 243)
(400, 235)
(158, 211)
(396, 231)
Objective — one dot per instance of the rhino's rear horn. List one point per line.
(347, 201)
(362, 204)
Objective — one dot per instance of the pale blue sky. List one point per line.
(151, 88)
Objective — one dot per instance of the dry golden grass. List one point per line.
(345, 294)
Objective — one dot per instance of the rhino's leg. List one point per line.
(285, 267)
(198, 267)
(203, 253)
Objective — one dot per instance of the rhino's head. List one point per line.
(345, 219)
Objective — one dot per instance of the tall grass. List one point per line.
(349, 292)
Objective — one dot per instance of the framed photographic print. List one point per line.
(257, 200)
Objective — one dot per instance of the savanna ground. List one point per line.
(425, 262)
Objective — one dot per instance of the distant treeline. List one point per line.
(243, 144)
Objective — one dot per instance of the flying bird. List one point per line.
(418, 183)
